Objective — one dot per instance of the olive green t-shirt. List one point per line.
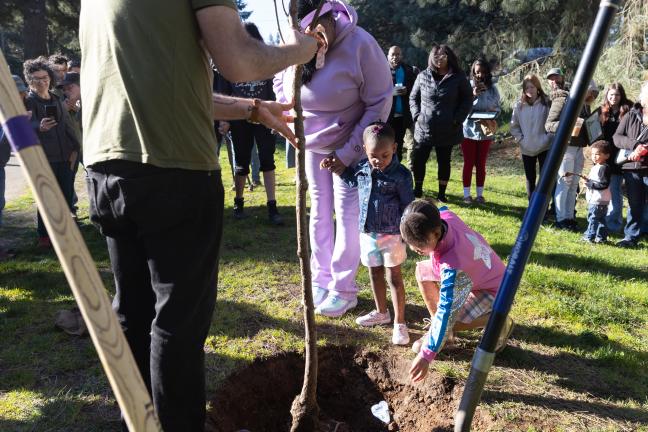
(146, 83)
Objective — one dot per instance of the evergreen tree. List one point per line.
(241, 5)
(495, 28)
(29, 28)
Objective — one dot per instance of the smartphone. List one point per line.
(51, 111)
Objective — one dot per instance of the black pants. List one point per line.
(65, 179)
(163, 228)
(530, 170)
(243, 136)
(420, 156)
(398, 124)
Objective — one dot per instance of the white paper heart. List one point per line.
(381, 411)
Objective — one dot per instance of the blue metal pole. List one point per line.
(484, 356)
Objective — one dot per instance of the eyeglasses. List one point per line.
(40, 79)
(440, 56)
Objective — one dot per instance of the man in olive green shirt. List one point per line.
(154, 181)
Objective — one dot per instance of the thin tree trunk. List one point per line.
(304, 411)
(34, 28)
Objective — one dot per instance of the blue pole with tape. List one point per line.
(484, 356)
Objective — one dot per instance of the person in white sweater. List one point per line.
(527, 127)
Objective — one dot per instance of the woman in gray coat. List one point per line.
(440, 101)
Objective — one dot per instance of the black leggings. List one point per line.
(420, 156)
(398, 124)
(243, 136)
(530, 170)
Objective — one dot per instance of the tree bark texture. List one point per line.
(34, 28)
(304, 411)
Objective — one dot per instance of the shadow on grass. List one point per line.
(244, 320)
(599, 410)
(567, 261)
(603, 368)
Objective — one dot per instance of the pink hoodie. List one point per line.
(351, 91)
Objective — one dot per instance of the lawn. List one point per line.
(577, 359)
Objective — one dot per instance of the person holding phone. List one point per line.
(479, 134)
(53, 126)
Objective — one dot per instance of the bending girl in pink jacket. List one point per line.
(458, 283)
(351, 89)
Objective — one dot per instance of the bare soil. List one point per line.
(258, 397)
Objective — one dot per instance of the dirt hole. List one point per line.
(258, 397)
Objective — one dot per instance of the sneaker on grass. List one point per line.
(319, 295)
(334, 306)
(509, 325)
(400, 334)
(374, 318)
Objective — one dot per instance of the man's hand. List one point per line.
(419, 369)
(272, 115)
(71, 105)
(46, 124)
(223, 127)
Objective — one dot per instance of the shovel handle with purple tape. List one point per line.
(77, 264)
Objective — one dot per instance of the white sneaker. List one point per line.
(400, 334)
(319, 294)
(374, 318)
(505, 335)
(334, 306)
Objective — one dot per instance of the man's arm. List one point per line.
(240, 57)
(271, 114)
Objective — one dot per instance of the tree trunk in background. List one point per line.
(34, 28)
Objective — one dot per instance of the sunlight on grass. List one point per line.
(581, 312)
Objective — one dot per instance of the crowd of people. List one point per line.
(155, 189)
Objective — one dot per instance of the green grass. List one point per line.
(581, 309)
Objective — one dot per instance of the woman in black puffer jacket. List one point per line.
(440, 101)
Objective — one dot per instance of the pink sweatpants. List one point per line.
(335, 242)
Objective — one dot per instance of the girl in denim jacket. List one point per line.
(385, 188)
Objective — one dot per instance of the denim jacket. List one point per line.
(383, 195)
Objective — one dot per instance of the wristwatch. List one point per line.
(254, 111)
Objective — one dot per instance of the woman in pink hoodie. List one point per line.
(345, 89)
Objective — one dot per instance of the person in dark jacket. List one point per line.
(573, 159)
(632, 137)
(55, 132)
(403, 77)
(440, 102)
(615, 106)
(244, 135)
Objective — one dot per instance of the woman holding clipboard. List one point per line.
(479, 128)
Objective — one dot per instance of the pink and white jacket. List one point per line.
(461, 263)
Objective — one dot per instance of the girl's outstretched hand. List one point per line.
(419, 369)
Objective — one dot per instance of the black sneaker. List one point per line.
(442, 198)
(239, 204)
(627, 243)
(273, 214)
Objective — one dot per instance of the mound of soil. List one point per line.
(258, 397)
